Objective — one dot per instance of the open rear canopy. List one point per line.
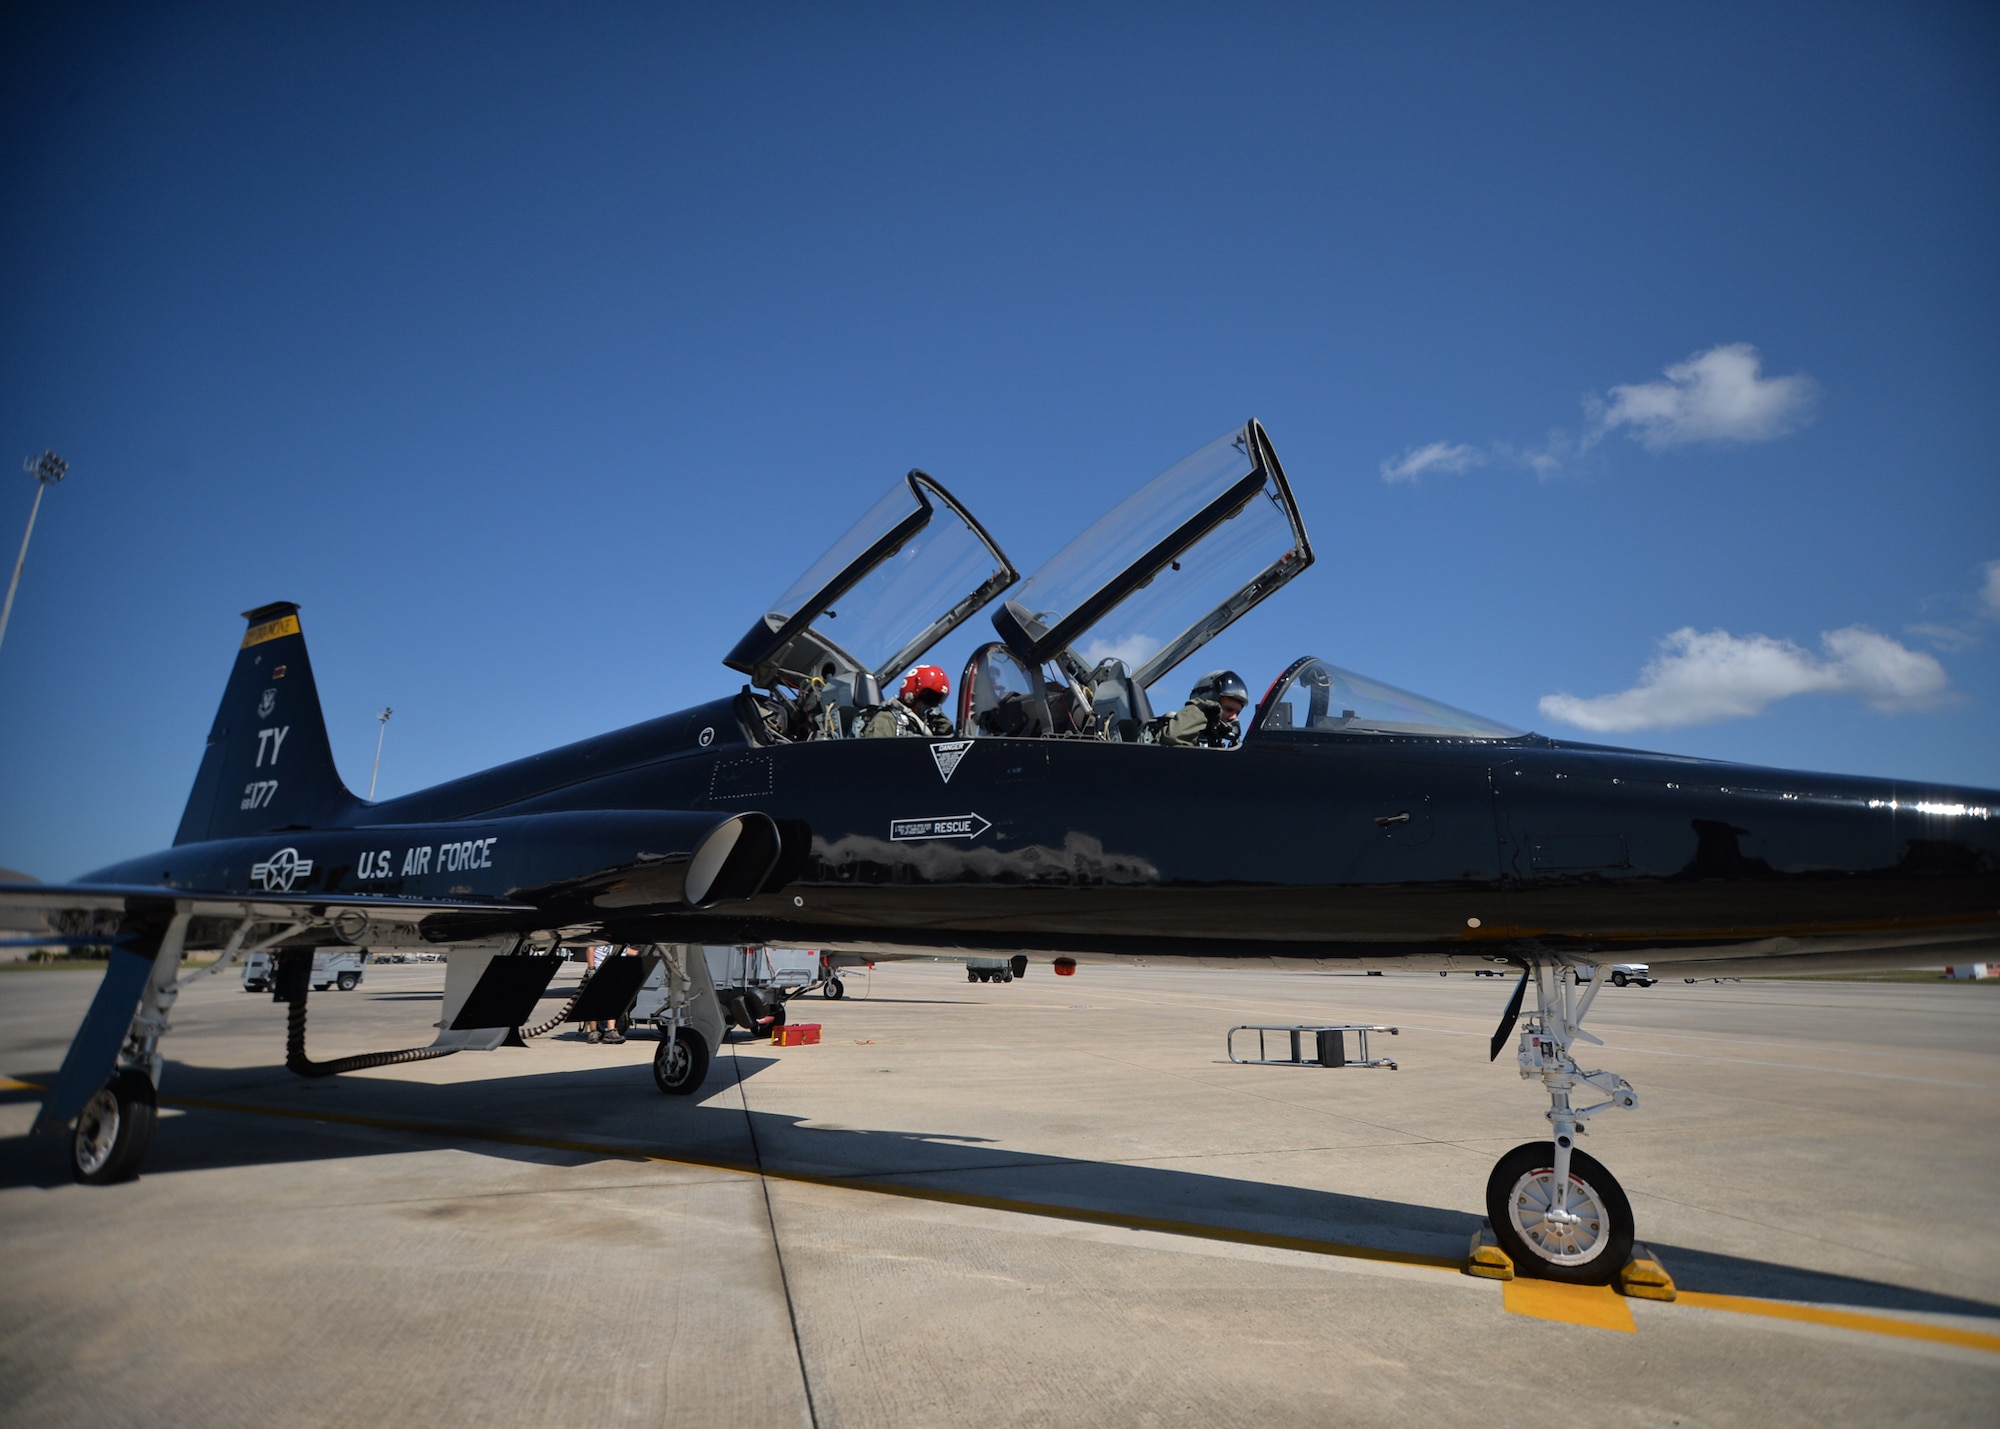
(1168, 568)
(906, 574)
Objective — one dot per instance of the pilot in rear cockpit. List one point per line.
(917, 709)
(1208, 720)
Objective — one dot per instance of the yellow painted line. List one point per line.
(1044, 1209)
(1598, 1306)
(9, 1084)
(1840, 1319)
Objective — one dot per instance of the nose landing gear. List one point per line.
(1555, 1209)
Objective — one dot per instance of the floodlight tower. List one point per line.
(47, 469)
(384, 718)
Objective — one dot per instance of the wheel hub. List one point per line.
(96, 1132)
(1572, 1237)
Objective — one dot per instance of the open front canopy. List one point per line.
(1167, 568)
(908, 572)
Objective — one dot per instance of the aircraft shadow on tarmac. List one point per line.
(582, 1117)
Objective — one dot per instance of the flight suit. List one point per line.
(897, 718)
(1198, 724)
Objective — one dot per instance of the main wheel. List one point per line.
(1589, 1250)
(680, 1066)
(777, 1012)
(114, 1129)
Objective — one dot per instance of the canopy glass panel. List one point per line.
(902, 577)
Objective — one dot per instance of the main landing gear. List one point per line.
(1555, 1209)
(114, 1129)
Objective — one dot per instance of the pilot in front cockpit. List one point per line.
(917, 709)
(1208, 719)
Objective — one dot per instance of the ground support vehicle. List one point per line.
(332, 967)
(995, 969)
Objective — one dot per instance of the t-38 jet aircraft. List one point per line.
(1354, 825)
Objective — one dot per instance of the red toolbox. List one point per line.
(795, 1034)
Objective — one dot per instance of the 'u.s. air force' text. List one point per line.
(429, 858)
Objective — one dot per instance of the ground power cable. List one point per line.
(543, 1028)
(777, 1247)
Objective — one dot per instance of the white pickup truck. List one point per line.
(332, 967)
(1623, 974)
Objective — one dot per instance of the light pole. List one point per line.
(384, 719)
(47, 469)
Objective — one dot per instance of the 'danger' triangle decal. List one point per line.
(948, 756)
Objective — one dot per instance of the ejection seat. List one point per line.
(851, 697)
(1120, 701)
(999, 695)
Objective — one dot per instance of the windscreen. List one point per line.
(1324, 699)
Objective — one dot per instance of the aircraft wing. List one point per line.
(87, 914)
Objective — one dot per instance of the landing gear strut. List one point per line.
(1555, 1209)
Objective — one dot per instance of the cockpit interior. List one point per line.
(1080, 641)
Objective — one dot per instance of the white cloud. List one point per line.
(1701, 677)
(1134, 650)
(1948, 638)
(1720, 395)
(1962, 634)
(1715, 396)
(1438, 456)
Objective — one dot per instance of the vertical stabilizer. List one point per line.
(268, 765)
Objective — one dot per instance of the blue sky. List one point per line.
(531, 349)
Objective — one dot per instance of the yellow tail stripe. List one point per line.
(270, 630)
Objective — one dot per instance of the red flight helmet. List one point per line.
(925, 685)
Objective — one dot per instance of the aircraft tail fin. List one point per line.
(268, 765)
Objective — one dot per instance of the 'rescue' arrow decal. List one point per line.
(944, 826)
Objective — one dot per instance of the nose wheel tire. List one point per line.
(114, 1129)
(1586, 1246)
(680, 1066)
(834, 990)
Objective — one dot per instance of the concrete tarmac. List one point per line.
(1050, 1202)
